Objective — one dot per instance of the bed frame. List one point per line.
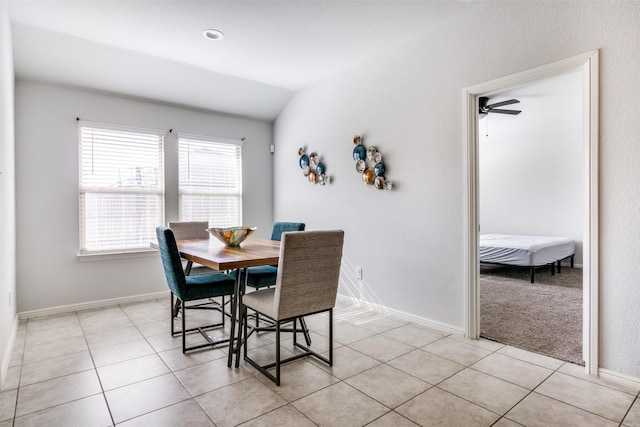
(526, 252)
(532, 269)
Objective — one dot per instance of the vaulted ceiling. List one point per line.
(155, 49)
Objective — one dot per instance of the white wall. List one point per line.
(408, 103)
(49, 274)
(531, 166)
(8, 318)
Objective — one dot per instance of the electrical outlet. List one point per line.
(359, 273)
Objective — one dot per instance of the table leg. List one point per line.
(243, 317)
(234, 314)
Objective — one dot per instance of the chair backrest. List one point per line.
(190, 229)
(308, 272)
(171, 260)
(282, 227)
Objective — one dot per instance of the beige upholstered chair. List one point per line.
(306, 283)
(190, 230)
(265, 276)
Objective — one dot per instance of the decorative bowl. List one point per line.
(231, 236)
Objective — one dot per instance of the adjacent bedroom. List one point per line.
(531, 211)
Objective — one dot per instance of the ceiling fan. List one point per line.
(486, 108)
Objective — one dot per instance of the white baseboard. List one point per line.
(619, 378)
(6, 357)
(403, 315)
(90, 305)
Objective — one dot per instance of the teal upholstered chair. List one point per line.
(183, 230)
(265, 276)
(318, 254)
(191, 288)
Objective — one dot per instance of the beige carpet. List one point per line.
(543, 317)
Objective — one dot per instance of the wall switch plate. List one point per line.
(358, 272)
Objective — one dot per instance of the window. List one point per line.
(121, 187)
(210, 181)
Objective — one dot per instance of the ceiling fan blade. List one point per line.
(500, 104)
(512, 112)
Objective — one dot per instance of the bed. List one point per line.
(526, 251)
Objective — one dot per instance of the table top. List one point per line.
(214, 254)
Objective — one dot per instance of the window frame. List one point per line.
(236, 193)
(86, 188)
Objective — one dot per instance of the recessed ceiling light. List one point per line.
(213, 34)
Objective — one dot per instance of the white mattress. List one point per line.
(524, 250)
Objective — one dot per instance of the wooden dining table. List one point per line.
(214, 254)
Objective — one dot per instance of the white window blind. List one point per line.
(210, 181)
(121, 187)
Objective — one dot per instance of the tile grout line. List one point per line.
(557, 371)
(501, 416)
(157, 353)
(390, 410)
(96, 368)
(20, 380)
(93, 362)
(626, 414)
(24, 344)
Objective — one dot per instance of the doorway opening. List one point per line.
(531, 211)
(587, 66)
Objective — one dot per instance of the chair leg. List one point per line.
(331, 337)
(305, 330)
(295, 331)
(271, 328)
(223, 315)
(182, 308)
(277, 327)
(174, 306)
(184, 329)
(245, 334)
(278, 352)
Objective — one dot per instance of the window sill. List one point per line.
(117, 255)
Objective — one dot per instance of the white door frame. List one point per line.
(589, 63)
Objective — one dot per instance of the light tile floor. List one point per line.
(120, 366)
